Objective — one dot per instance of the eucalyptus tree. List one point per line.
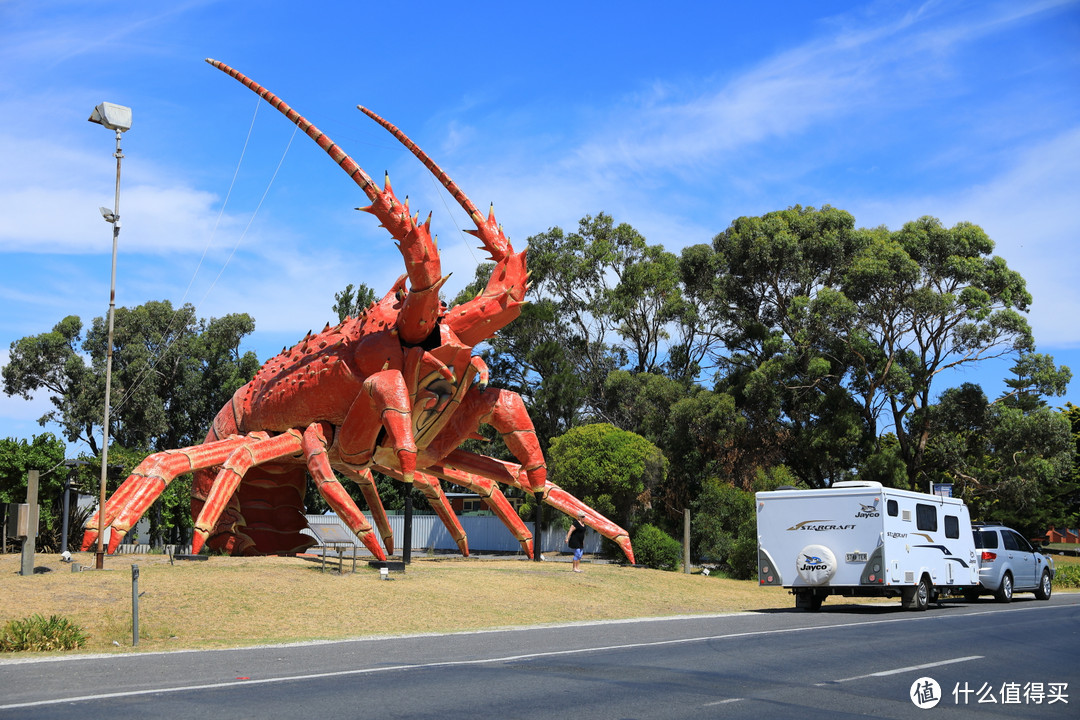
(352, 301)
(836, 334)
(925, 299)
(171, 374)
(772, 295)
(614, 294)
(1011, 462)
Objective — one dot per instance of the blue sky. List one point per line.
(675, 120)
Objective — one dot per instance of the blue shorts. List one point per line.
(578, 552)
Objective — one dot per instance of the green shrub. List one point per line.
(655, 549)
(1067, 576)
(725, 528)
(37, 633)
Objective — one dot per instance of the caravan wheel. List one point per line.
(918, 597)
(808, 600)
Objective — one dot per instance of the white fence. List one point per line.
(486, 533)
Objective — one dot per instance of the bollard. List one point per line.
(406, 536)
(686, 541)
(134, 605)
(30, 539)
(538, 530)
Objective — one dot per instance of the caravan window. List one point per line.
(952, 526)
(926, 517)
(892, 508)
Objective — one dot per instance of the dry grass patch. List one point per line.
(244, 601)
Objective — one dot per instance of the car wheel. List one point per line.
(1005, 590)
(1045, 587)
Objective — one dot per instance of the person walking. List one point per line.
(575, 538)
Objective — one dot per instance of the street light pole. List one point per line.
(118, 118)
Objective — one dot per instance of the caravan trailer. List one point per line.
(859, 539)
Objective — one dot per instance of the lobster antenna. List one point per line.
(487, 229)
(321, 139)
(462, 199)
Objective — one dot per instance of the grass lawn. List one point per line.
(227, 601)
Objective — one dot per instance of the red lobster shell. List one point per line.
(395, 390)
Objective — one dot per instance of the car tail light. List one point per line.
(988, 556)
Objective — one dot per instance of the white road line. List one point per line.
(485, 631)
(722, 702)
(897, 671)
(479, 661)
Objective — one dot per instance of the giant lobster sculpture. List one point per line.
(395, 390)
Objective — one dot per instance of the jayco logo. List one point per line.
(813, 562)
(869, 511)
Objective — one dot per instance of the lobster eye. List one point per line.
(400, 294)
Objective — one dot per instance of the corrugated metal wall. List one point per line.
(485, 533)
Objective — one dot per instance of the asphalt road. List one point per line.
(846, 661)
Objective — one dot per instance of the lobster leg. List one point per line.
(558, 498)
(385, 395)
(366, 482)
(513, 475)
(259, 450)
(495, 500)
(505, 411)
(314, 444)
(439, 503)
(147, 481)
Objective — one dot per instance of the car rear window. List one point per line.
(986, 539)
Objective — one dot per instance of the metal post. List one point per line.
(538, 528)
(30, 541)
(406, 540)
(67, 506)
(134, 605)
(686, 541)
(119, 155)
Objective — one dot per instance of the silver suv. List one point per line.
(1008, 564)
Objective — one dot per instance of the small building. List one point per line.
(1065, 535)
(471, 503)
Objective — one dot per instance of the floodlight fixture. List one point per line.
(113, 116)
